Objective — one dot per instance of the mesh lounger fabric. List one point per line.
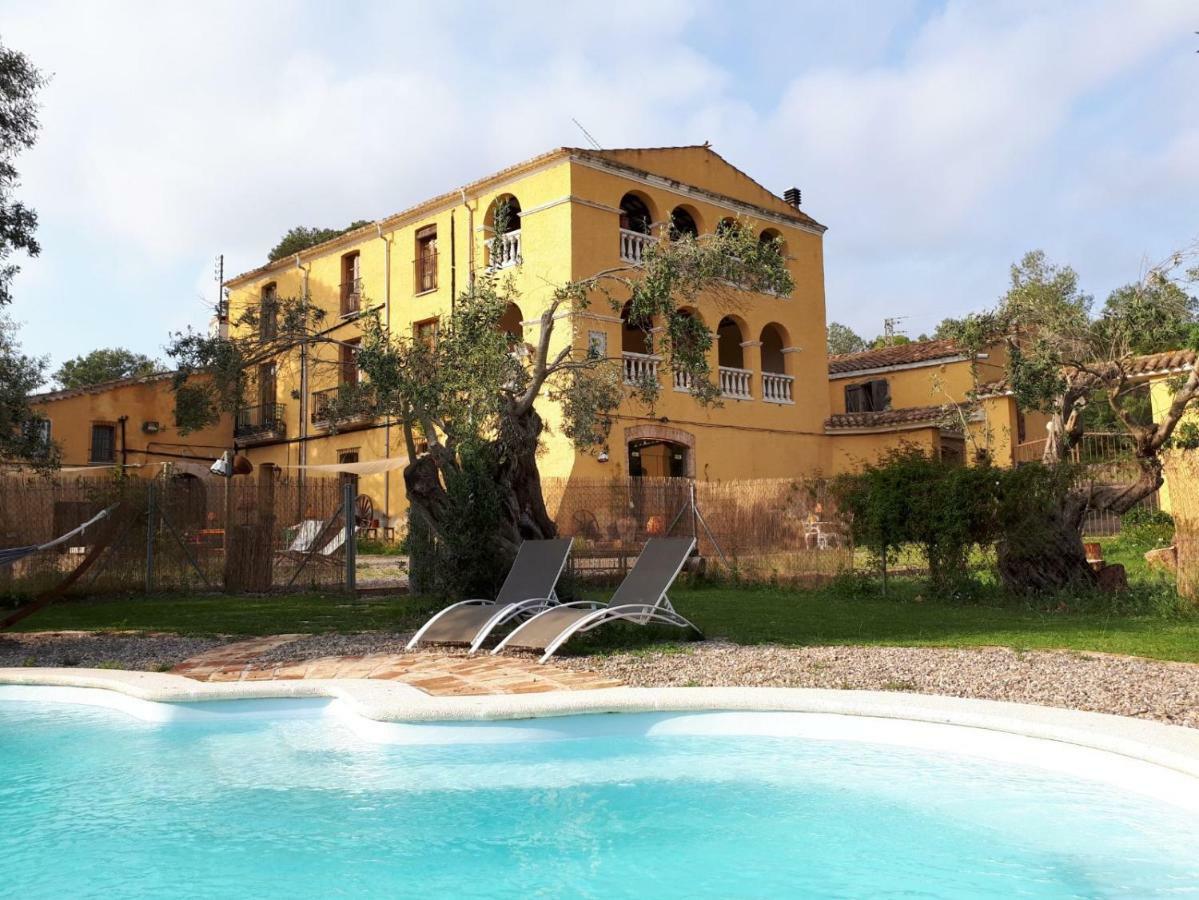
(533, 575)
(653, 573)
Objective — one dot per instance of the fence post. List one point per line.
(151, 526)
(347, 501)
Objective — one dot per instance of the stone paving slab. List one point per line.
(432, 673)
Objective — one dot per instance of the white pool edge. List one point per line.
(1170, 746)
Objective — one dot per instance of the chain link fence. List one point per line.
(176, 533)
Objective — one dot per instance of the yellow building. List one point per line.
(574, 212)
(911, 395)
(128, 424)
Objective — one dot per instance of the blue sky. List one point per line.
(938, 141)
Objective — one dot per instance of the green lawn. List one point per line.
(746, 615)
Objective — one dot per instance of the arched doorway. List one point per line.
(510, 324)
(658, 459)
(776, 383)
(503, 224)
(734, 377)
(683, 223)
(635, 214)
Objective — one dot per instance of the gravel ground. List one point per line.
(1123, 685)
(1168, 692)
(154, 652)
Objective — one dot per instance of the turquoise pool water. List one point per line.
(299, 801)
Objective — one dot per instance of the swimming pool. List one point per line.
(299, 798)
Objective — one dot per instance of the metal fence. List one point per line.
(177, 533)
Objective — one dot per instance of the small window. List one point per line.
(268, 312)
(348, 457)
(871, 396)
(426, 332)
(426, 259)
(351, 283)
(104, 444)
(597, 344)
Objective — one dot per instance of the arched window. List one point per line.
(503, 214)
(635, 214)
(683, 223)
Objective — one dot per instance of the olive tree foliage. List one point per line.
(842, 339)
(1062, 358)
(22, 434)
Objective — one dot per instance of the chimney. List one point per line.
(792, 196)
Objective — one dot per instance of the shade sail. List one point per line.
(370, 467)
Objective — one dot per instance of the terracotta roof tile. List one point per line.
(914, 415)
(1167, 361)
(900, 354)
(98, 388)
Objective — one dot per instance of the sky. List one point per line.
(937, 141)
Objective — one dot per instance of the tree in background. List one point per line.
(842, 339)
(106, 364)
(22, 434)
(467, 399)
(1061, 361)
(301, 238)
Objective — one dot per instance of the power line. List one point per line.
(586, 134)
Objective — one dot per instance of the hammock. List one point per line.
(12, 554)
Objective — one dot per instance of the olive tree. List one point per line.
(1061, 360)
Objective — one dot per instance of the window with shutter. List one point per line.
(104, 444)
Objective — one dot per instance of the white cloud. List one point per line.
(936, 149)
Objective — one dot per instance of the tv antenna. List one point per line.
(890, 331)
(586, 133)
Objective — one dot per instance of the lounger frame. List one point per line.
(503, 614)
(661, 611)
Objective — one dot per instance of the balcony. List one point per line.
(640, 368)
(505, 251)
(265, 422)
(633, 245)
(351, 297)
(348, 404)
(735, 383)
(683, 381)
(776, 387)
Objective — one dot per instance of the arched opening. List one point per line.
(503, 226)
(770, 236)
(773, 341)
(634, 338)
(658, 459)
(635, 214)
(503, 215)
(727, 225)
(683, 223)
(776, 383)
(728, 339)
(510, 324)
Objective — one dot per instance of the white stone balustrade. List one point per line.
(776, 387)
(633, 245)
(640, 367)
(735, 383)
(505, 251)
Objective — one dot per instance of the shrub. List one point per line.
(1143, 529)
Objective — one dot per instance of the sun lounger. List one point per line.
(641, 599)
(528, 589)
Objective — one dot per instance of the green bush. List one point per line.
(1143, 529)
